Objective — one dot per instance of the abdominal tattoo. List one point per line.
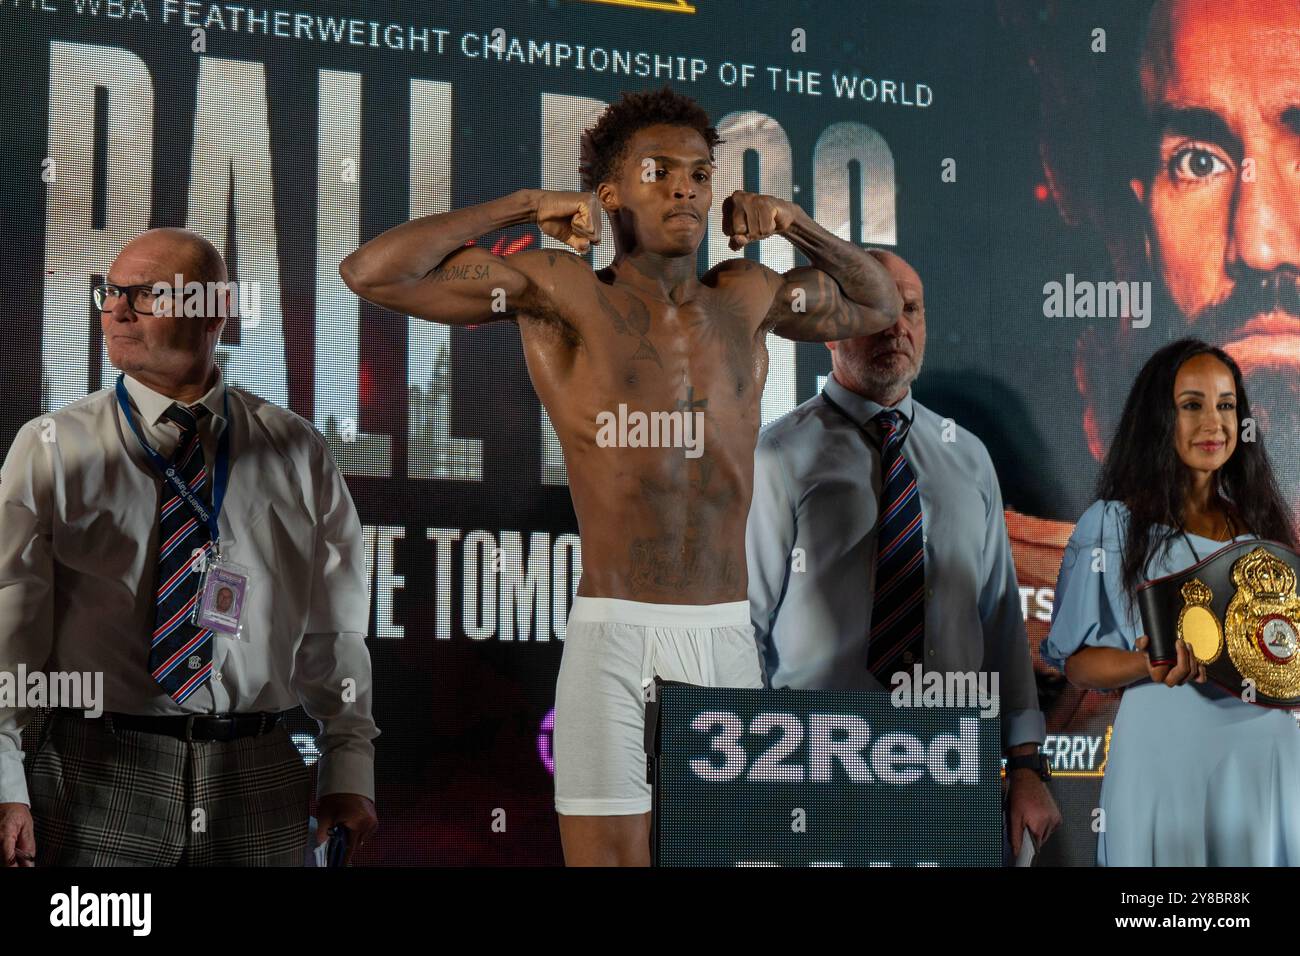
(637, 324)
(687, 555)
(671, 562)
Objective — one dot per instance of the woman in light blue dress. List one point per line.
(1195, 776)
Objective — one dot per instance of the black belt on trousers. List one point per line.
(192, 727)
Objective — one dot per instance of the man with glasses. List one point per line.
(142, 299)
(127, 520)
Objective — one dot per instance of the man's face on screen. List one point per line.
(1221, 80)
(663, 190)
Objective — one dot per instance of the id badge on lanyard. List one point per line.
(223, 593)
(223, 585)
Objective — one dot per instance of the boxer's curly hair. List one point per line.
(604, 145)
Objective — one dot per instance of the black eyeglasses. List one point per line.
(141, 298)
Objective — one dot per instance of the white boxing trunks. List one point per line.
(613, 650)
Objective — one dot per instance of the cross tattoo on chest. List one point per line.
(690, 404)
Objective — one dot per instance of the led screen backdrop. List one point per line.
(990, 143)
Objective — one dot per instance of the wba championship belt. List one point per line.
(1239, 614)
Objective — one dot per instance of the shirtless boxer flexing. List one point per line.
(663, 589)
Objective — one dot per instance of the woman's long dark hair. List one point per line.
(1144, 471)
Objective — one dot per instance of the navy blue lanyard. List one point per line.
(173, 478)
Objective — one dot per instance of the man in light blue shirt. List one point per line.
(953, 602)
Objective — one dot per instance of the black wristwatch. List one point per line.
(1036, 762)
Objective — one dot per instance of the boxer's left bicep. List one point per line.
(810, 306)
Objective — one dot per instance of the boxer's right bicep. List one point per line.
(468, 287)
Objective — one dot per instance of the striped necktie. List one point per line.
(180, 657)
(898, 605)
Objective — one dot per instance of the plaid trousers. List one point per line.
(108, 797)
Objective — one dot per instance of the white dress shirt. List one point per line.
(811, 546)
(79, 506)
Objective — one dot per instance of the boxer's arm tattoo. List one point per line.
(467, 272)
(858, 275)
(810, 306)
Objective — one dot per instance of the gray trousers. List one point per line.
(109, 797)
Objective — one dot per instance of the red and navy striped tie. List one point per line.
(180, 657)
(898, 608)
